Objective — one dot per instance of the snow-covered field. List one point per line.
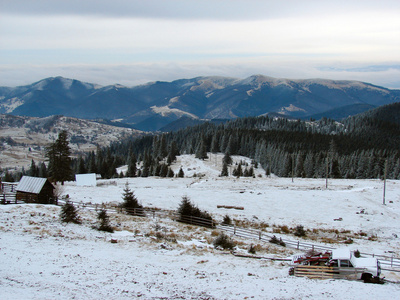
(42, 258)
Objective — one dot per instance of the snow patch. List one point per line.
(166, 111)
(290, 108)
(11, 104)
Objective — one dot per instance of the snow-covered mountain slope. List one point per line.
(25, 138)
(209, 97)
(158, 258)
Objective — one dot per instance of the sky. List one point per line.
(132, 42)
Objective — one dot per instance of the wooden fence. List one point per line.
(8, 193)
(388, 263)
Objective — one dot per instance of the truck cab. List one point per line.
(346, 262)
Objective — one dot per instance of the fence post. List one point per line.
(259, 235)
(154, 214)
(298, 245)
(391, 261)
(234, 230)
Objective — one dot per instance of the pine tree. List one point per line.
(170, 173)
(59, 158)
(215, 144)
(189, 213)
(201, 152)
(131, 203)
(224, 171)
(92, 163)
(132, 169)
(33, 171)
(232, 146)
(238, 171)
(69, 213)
(227, 158)
(81, 166)
(181, 174)
(104, 220)
(164, 170)
(146, 165)
(173, 152)
(251, 172)
(162, 151)
(43, 170)
(8, 177)
(185, 208)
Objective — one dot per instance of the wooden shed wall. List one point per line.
(46, 195)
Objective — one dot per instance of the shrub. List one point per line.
(275, 240)
(252, 249)
(69, 213)
(285, 229)
(348, 241)
(227, 220)
(223, 241)
(299, 231)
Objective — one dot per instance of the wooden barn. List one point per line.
(35, 190)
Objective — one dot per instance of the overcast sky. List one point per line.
(136, 41)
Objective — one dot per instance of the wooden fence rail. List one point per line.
(8, 193)
(388, 263)
(324, 272)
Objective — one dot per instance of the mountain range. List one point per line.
(154, 105)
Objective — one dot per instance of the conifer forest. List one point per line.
(363, 146)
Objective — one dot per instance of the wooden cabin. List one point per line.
(35, 190)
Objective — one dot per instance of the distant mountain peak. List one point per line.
(153, 105)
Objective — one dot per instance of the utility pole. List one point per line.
(292, 167)
(384, 183)
(326, 171)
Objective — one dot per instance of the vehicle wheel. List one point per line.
(366, 277)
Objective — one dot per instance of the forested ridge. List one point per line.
(357, 147)
(362, 146)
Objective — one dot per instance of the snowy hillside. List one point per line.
(157, 258)
(25, 138)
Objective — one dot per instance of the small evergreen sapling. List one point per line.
(181, 174)
(69, 213)
(223, 241)
(104, 220)
(224, 171)
(170, 173)
(131, 203)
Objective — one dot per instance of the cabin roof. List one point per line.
(31, 185)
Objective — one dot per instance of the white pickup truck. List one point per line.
(343, 264)
(366, 268)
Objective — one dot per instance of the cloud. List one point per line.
(192, 9)
(136, 41)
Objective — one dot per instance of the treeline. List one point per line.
(360, 147)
